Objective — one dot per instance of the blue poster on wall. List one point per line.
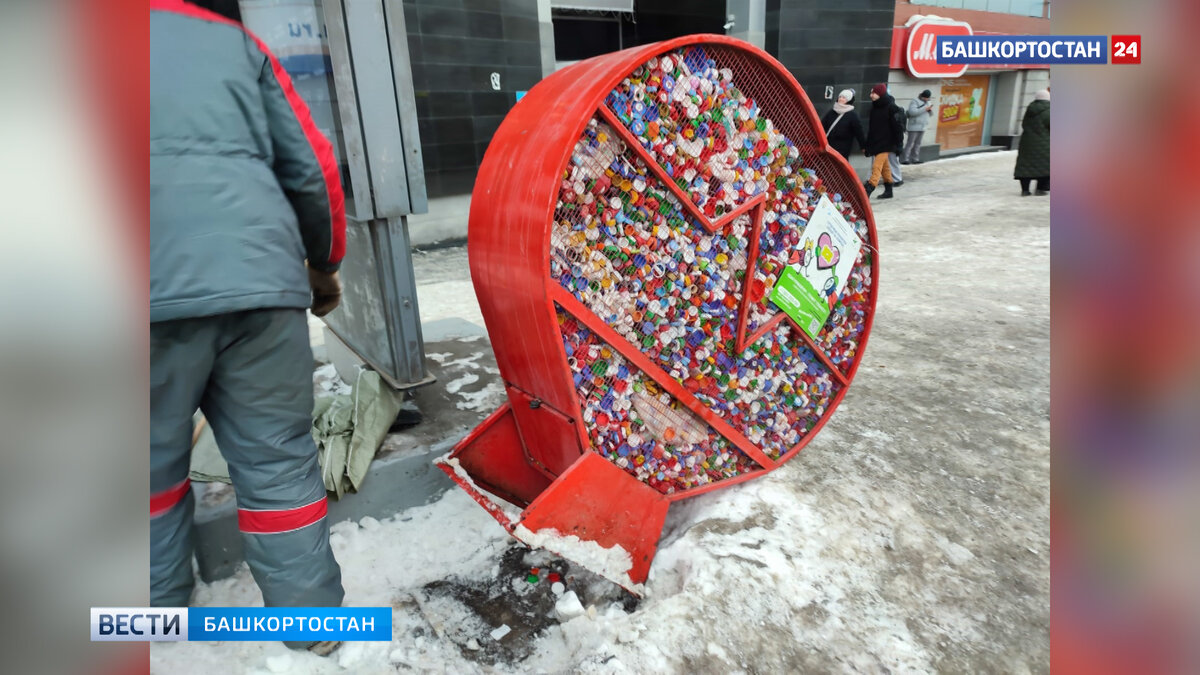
(293, 31)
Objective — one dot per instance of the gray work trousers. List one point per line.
(912, 149)
(894, 163)
(251, 374)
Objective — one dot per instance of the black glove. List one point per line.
(326, 291)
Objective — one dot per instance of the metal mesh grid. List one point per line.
(724, 127)
(639, 428)
(623, 244)
(625, 247)
(843, 331)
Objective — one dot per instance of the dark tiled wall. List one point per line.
(580, 36)
(843, 44)
(771, 26)
(665, 19)
(455, 46)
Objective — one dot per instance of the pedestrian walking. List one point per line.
(885, 133)
(1033, 150)
(843, 126)
(243, 191)
(920, 110)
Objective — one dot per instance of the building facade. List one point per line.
(472, 59)
(984, 105)
(827, 45)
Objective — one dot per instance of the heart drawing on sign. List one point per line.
(828, 255)
(623, 251)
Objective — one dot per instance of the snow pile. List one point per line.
(327, 381)
(611, 563)
(510, 512)
(759, 577)
(569, 607)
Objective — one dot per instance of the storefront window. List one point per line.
(1021, 7)
(961, 111)
(1027, 7)
(294, 30)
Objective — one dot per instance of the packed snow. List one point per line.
(761, 576)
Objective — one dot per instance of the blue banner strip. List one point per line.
(207, 624)
(1039, 50)
(307, 64)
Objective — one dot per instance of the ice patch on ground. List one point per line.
(488, 398)
(454, 386)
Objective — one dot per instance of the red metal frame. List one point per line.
(511, 219)
(609, 336)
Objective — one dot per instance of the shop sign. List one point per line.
(920, 54)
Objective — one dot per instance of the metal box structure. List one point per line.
(629, 221)
(349, 61)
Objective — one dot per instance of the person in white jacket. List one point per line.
(919, 111)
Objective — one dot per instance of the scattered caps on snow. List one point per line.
(611, 563)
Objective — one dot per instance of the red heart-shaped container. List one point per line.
(629, 222)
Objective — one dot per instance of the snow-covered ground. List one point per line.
(444, 285)
(912, 535)
(766, 574)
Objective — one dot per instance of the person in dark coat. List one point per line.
(842, 125)
(885, 134)
(247, 231)
(1033, 151)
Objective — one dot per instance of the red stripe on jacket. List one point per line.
(281, 520)
(321, 146)
(161, 502)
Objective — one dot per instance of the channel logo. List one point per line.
(1022, 49)
(139, 624)
(247, 624)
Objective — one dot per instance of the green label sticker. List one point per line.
(799, 300)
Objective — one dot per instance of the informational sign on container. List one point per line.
(814, 279)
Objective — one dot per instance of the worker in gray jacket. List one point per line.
(920, 109)
(247, 229)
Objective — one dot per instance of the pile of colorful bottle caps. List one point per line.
(629, 250)
(640, 428)
(649, 271)
(707, 135)
(846, 322)
(715, 141)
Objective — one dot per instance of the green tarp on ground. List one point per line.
(348, 429)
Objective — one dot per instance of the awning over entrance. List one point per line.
(594, 5)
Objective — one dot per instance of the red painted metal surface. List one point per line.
(537, 452)
(605, 507)
(494, 454)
